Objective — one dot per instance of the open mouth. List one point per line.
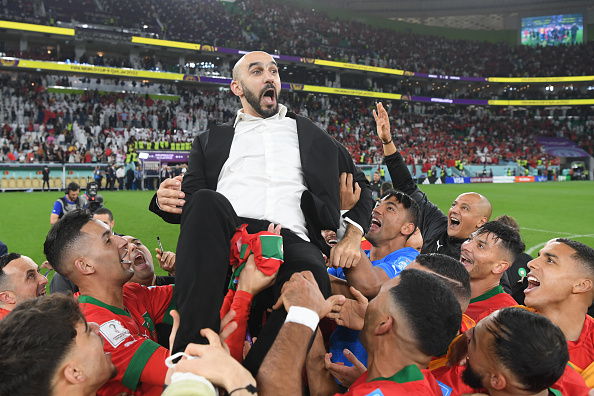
(269, 97)
(533, 283)
(376, 224)
(125, 258)
(465, 260)
(41, 292)
(454, 222)
(140, 261)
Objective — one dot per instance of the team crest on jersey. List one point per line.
(148, 323)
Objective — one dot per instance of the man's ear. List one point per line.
(500, 267)
(83, 266)
(7, 297)
(584, 286)
(384, 326)
(73, 374)
(236, 88)
(407, 229)
(497, 381)
(482, 221)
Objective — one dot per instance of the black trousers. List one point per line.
(202, 267)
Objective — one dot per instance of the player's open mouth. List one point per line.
(331, 241)
(465, 260)
(376, 224)
(269, 97)
(533, 283)
(41, 292)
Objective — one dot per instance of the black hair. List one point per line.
(385, 187)
(453, 271)
(530, 346)
(72, 186)
(4, 260)
(508, 221)
(62, 237)
(106, 211)
(409, 204)
(511, 241)
(584, 254)
(34, 339)
(431, 310)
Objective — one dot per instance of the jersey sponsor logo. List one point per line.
(114, 332)
(130, 343)
(377, 392)
(446, 390)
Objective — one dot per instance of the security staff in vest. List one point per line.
(67, 203)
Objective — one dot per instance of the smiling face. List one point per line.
(26, 281)
(479, 363)
(142, 261)
(468, 212)
(389, 220)
(106, 252)
(257, 83)
(330, 237)
(554, 276)
(482, 254)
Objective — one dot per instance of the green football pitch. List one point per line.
(543, 210)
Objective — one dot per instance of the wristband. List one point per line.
(250, 388)
(387, 142)
(304, 316)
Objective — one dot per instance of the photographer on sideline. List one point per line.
(69, 202)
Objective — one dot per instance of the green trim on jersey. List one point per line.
(94, 301)
(141, 357)
(493, 292)
(408, 374)
(167, 318)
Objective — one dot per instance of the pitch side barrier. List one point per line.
(505, 179)
(23, 64)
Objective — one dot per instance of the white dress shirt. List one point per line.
(263, 178)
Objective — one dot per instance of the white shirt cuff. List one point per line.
(353, 223)
(304, 316)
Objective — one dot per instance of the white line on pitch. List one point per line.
(547, 231)
(533, 248)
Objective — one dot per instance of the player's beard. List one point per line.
(472, 378)
(255, 101)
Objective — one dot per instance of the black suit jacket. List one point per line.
(323, 159)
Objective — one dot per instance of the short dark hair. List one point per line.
(102, 211)
(431, 310)
(62, 237)
(409, 204)
(72, 186)
(584, 254)
(511, 241)
(457, 278)
(385, 187)
(4, 260)
(530, 346)
(508, 221)
(34, 339)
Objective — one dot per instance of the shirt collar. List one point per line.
(241, 116)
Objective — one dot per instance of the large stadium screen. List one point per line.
(553, 30)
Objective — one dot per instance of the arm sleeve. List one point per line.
(57, 209)
(432, 221)
(241, 305)
(160, 301)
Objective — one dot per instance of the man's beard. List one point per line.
(255, 101)
(472, 378)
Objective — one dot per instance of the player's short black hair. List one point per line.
(431, 310)
(584, 254)
(106, 211)
(509, 221)
(530, 346)
(34, 339)
(62, 238)
(409, 204)
(511, 241)
(4, 260)
(453, 271)
(385, 187)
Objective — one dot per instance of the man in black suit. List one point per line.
(269, 166)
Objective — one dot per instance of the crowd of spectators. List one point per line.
(99, 127)
(261, 25)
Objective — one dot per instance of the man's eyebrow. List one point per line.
(551, 255)
(106, 234)
(260, 64)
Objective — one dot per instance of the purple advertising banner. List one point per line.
(164, 156)
(560, 147)
(481, 180)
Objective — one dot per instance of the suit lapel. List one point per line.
(305, 137)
